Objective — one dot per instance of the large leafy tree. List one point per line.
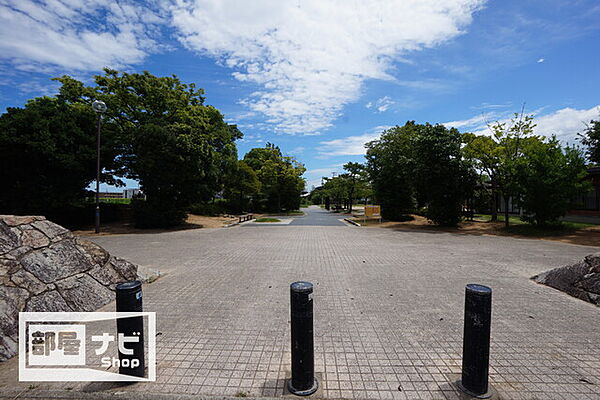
(178, 148)
(337, 190)
(390, 164)
(499, 155)
(591, 138)
(420, 165)
(48, 156)
(280, 178)
(356, 177)
(548, 178)
(442, 178)
(241, 185)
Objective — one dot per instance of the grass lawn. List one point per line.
(115, 201)
(288, 213)
(267, 220)
(523, 228)
(568, 232)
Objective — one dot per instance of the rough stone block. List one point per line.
(57, 261)
(8, 239)
(96, 253)
(50, 301)
(50, 229)
(26, 280)
(594, 262)
(84, 293)
(126, 269)
(16, 220)
(43, 267)
(581, 280)
(34, 238)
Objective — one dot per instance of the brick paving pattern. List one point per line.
(388, 312)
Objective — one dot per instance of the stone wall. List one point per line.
(44, 267)
(581, 280)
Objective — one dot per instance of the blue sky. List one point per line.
(320, 78)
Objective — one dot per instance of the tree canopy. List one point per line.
(390, 164)
(499, 154)
(48, 156)
(540, 176)
(420, 166)
(157, 130)
(591, 139)
(548, 178)
(280, 178)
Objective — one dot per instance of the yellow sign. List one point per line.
(373, 211)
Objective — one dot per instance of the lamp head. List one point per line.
(99, 106)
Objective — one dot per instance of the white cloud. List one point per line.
(351, 145)
(314, 176)
(564, 123)
(476, 121)
(310, 58)
(541, 60)
(83, 35)
(382, 104)
(296, 151)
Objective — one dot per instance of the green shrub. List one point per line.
(210, 209)
(156, 215)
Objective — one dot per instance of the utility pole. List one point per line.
(100, 108)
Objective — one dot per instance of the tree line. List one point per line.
(444, 174)
(157, 131)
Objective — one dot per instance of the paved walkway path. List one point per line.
(388, 311)
(315, 216)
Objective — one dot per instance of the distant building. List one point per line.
(586, 206)
(589, 203)
(111, 195)
(131, 193)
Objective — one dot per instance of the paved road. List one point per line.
(388, 311)
(316, 216)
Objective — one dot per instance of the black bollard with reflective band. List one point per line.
(129, 299)
(476, 341)
(303, 382)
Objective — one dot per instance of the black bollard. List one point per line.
(476, 341)
(303, 382)
(129, 299)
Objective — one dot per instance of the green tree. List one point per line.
(442, 178)
(355, 176)
(280, 178)
(591, 138)
(548, 178)
(241, 183)
(48, 157)
(499, 155)
(178, 148)
(390, 165)
(337, 190)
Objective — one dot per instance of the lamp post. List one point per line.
(100, 108)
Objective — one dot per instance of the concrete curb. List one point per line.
(351, 222)
(238, 223)
(112, 395)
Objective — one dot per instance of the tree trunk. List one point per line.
(506, 200)
(494, 203)
(350, 202)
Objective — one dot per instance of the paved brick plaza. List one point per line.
(388, 311)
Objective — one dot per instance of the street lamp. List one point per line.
(100, 108)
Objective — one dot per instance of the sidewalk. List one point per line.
(388, 313)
